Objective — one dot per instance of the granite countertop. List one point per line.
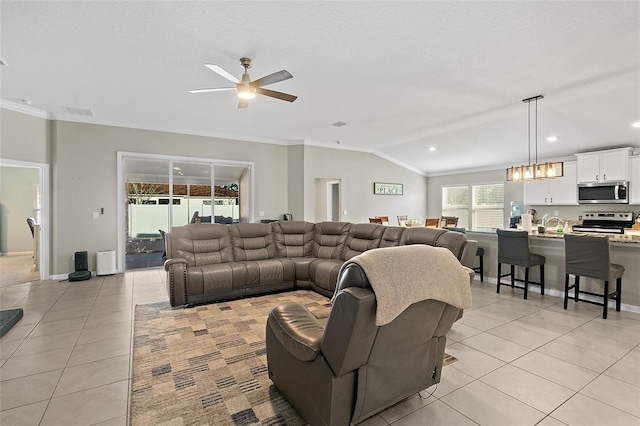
(631, 236)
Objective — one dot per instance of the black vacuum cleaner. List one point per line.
(82, 267)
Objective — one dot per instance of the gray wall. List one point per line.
(85, 179)
(85, 157)
(83, 160)
(357, 172)
(24, 137)
(295, 186)
(16, 195)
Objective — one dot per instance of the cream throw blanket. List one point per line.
(401, 276)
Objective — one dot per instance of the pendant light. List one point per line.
(548, 170)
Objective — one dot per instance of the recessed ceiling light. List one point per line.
(552, 138)
(177, 168)
(636, 124)
(433, 148)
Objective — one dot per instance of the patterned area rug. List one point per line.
(207, 365)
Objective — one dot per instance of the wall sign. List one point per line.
(381, 188)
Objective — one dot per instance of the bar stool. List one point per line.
(480, 268)
(479, 252)
(513, 249)
(588, 256)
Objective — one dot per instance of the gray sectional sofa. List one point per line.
(210, 262)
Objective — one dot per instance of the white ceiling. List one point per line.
(404, 76)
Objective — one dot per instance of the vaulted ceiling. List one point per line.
(403, 76)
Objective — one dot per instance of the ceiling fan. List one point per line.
(246, 88)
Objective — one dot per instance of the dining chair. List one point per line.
(431, 222)
(385, 219)
(402, 220)
(448, 221)
(375, 220)
(513, 249)
(589, 256)
(32, 223)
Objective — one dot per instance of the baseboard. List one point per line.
(18, 253)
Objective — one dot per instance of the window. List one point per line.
(455, 202)
(484, 209)
(488, 206)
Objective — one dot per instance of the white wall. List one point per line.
(512, 191)
(16, 195)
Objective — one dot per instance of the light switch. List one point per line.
(344, 212)
(96, 215)
(261, 213)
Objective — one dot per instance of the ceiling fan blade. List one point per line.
(278, 95)
(215, 89)
(222, 72)
(243, 103)
(272, 78)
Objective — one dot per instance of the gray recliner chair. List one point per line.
(343, 369)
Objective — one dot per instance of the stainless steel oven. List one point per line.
(603, 193)
(605, 222)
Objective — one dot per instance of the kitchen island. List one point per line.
(625, 250)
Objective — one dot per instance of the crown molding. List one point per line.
(25, 109)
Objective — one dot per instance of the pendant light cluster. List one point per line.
(548, 170)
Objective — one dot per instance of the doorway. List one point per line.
(333, 201)
(24, 245)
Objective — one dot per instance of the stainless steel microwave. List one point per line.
(603, 193)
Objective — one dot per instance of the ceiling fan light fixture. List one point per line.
(246, 91)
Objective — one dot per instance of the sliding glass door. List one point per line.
(159, 192)
(146, 184)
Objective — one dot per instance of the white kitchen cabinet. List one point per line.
(603, 166)
(634, 181)
(558, 191)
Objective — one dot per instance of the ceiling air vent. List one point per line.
(77, 111)
(3, 63)
(339, 124)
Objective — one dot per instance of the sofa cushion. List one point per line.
(293, 239)
(252, 241)
(454, 241)
(324, 274)
(269, 271)
(215, 278)
(329, 239)
(201, 244)
(417, 235)
(392, 236)
(362, 237)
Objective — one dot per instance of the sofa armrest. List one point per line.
(297, 330)
(169, 262)
(176, 281)
(468, 257)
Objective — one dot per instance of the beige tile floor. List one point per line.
(520, 362)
